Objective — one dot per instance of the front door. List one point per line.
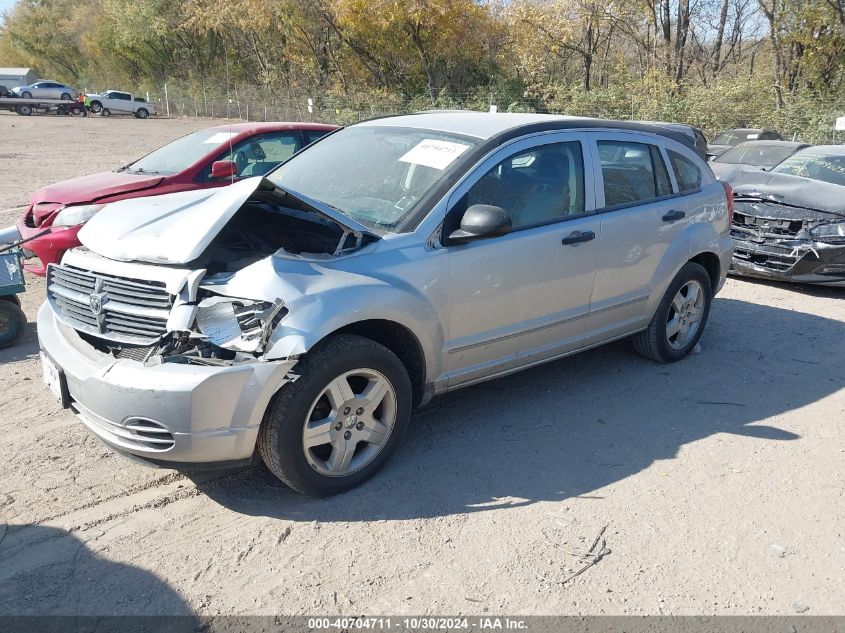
(523, 297)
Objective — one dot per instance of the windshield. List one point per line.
(735, 137)
(181, 153)
(824, 167)
(754, 154)
(376, 175)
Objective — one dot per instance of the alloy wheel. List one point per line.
(349, 423)
(685, 314)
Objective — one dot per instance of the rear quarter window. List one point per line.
(687, 172)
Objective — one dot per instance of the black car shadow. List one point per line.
(569, 428)
(51, 581)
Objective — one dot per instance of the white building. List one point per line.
(13, 77)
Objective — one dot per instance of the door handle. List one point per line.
(576, 237)
(673, 215)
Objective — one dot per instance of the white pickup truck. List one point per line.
(116, 102)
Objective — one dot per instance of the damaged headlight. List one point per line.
(833, 233)
(79, 214)
(239, 324)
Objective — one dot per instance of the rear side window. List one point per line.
(632, 173)
(687, 173)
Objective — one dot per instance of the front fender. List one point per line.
(322, 299)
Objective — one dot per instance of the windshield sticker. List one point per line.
(220, 137)
(433, 153)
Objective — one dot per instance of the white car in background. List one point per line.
(116, 102)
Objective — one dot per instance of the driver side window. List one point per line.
(542, 185)
(258, 155)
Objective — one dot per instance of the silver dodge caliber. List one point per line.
(300, 317)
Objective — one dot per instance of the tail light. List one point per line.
(729, 194)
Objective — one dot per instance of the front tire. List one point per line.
(680, 318)
(95, 107)
(341, 420)
(26, 95)
(65, 96)
(142, 113)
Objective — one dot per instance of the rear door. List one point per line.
(523, 297)
(642, 216)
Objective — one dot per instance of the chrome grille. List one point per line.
(115, 308)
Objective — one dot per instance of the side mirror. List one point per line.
(481, 221)
(221, 169)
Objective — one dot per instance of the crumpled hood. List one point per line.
(93, 187)
(792, 190)
(172, 228)
(176, 228)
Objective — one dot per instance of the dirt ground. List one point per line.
(721, 479)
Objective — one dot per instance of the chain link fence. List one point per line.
(812, 121)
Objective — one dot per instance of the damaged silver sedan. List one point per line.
(300, 317)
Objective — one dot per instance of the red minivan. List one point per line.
(213, 157)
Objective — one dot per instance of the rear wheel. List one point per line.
(24, 109)
(680, 318)
(340, 421)
(12, 323)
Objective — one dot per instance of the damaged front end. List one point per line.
(781, 241)
(150, 284)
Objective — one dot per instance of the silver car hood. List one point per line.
(176, 228)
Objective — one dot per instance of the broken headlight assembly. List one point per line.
(240, 325)
(831, 233)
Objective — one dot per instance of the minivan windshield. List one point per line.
(180, 154)
(376, 175)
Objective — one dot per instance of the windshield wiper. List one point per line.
(141, 170)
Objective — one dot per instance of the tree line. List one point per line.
(711, 62)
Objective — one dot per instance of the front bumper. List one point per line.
(212, 414)
(808, 262)
(47, 249)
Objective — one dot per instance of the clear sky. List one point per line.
(6, 4)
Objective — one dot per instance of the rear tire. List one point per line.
(65, 96)
(24, 109)
(306, 423)
(679, 320)
(12, 323)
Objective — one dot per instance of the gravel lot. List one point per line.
(720, 478)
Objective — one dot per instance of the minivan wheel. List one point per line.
(340, 421)
(680, 318)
